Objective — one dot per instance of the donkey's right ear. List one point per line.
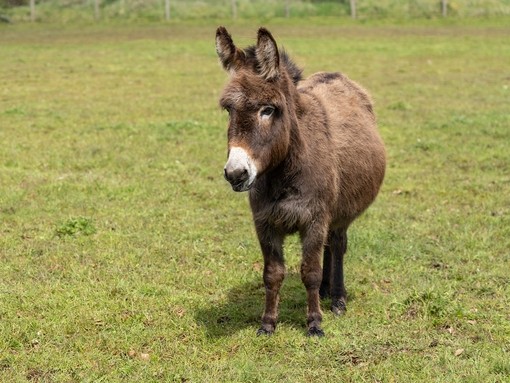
(227, 52)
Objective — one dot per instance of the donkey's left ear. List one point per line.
(267, 55)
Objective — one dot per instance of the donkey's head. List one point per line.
(260, 104)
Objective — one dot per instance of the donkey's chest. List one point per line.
(285, 209)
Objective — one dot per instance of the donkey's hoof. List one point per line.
(315, 331)
(338, 311)
(338, 307)
(264, 331)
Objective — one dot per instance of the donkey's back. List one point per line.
(353, 143)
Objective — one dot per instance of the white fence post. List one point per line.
(32, 10)
(234, 9)
(353, 9)
(96, 9)
(167, 10)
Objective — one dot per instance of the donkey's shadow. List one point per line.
(245, 303)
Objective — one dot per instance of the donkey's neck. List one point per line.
(297, 145)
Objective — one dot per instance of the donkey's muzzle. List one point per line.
(238, 178)
(240, 170)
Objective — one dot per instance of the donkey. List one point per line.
(309, 154)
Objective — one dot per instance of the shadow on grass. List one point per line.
(245, 303)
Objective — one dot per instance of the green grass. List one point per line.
(125, 256)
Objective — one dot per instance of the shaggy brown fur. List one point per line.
(319, 164)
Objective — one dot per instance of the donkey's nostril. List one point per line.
(236, 176)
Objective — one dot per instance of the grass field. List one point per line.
(125, 256)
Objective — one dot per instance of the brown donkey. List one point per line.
(310, 155)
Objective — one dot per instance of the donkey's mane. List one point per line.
(293, 70)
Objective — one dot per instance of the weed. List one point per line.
(75, 226)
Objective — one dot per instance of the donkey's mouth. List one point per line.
(242, 187)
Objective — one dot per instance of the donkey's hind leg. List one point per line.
(337, 243)
(325, 289)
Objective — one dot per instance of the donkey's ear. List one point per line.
(267, 55)
(225, 48)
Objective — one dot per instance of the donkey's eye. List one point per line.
(267, 111)
(228, 109)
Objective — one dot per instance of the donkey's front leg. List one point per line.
(274, 272)
(313, 241)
